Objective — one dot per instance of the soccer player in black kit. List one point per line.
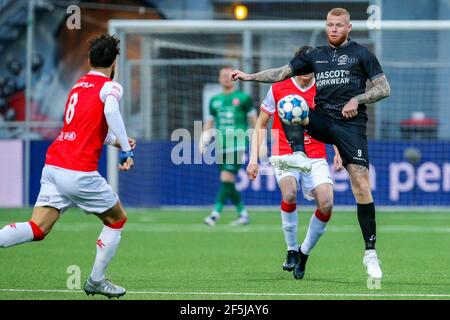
(341, 70)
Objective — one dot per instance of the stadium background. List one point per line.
(168, 68)
(167, 75)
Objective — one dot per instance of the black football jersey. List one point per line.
(341, 73)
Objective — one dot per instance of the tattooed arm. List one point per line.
(380, 90)
(268, 76)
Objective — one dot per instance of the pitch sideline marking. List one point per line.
(167, 228)
(247, 293)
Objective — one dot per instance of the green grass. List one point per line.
(164, 254)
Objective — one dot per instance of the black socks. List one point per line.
(366, 218)
(295, 137)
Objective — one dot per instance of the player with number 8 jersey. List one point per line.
(79, 144)
(70, 175)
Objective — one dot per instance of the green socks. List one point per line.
(228, 190)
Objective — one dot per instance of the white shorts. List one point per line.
(61, 188)
(320, 174)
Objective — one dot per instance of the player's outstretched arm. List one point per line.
(380, 90)
(267, 76)
(258, 138)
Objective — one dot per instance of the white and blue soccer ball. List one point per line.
(292, 109)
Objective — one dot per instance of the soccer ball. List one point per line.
(292, 109)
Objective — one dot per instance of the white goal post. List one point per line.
(364, 31)
(165, 26)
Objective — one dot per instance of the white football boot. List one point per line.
(211, 220)
(240, 221)
(297, 160)
(104, 287)
(372, 264)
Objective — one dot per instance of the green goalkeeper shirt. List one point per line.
(230, 112)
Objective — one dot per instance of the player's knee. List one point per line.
(115, 217)
(362, 191)
(326, 207)
(290, 196)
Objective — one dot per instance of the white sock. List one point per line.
(290, 221)
(15, 233)
(107, 244)
(316, 229)
(370, 251)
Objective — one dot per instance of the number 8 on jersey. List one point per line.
(71, 107)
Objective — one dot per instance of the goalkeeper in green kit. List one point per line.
(229, 112)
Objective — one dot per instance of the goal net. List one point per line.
(169, 71)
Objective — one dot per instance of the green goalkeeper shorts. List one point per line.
(231, 161)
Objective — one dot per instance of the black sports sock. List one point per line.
(366, 218)
(295, 136)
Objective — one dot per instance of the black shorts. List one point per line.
(349, 136)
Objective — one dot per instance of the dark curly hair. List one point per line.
(302, 50)
(103, 50)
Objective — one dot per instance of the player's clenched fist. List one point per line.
(127, 165)
(239, 75)
(252, 170)
(132, 143)
(350, 110)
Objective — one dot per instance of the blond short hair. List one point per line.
(339, 12)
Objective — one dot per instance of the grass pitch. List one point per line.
(172, 255)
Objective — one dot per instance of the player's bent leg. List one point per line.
(289, 218)
(359, 177)
(35, 229)
(323, 194)
(318, 127)
(297, 160)
(114, 220)
(45, 218)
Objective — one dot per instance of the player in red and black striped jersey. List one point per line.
(341, 69)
